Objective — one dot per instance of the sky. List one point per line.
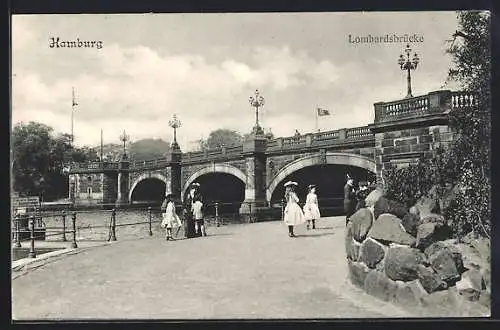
(204, 68)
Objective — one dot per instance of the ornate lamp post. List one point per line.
(408, 65)
(124, 138)
(257, 101)
(175, 124)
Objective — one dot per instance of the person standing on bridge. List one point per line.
(293, 212)
(189, 228)
(349, 199)
(311, 209)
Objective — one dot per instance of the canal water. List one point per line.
(131, 223)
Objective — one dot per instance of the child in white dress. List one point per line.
(311, 209)
(170, 218)
(293, 213)
(199, 224)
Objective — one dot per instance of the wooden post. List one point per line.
(149, 215)
(73, 218)
(64, 225)
(32, 253)
(113, 225)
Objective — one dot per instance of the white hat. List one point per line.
(196, 184)
(289, 183)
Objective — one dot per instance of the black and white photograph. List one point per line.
(250, 166)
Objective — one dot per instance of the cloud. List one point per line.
(138, 85)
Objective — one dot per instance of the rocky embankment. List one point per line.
(407, 256)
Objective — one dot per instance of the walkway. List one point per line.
(239, 271)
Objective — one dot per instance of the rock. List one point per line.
(361, 222)
(429, 233)
(379, 285)
(371, 252)
(486, 274)
(373, 197)
(433, 218)
(427, 205)
(429, 279)
(358, 272)
(445, 264)
(348, 242)
(388, 228)
(410, 223)
(485, 299)
(401, 263)
(384, 205)
(483, 247)
(470, 285)
(409, 293)
(441, 300)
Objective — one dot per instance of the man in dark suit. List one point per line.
(189, 227)
(349, 199)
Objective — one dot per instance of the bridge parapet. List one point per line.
(437, 102)
(96, 167)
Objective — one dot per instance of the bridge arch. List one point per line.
(333, 158)
(214, 168)
(145, 176)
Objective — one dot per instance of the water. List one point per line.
(95, 224)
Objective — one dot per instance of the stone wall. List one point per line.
(397, 255)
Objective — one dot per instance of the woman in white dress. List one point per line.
(170, 218)
(311, 209)
(293, 215)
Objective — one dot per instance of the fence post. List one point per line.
(64, 225)
(113, 225)
(32, 253)
(17, 219)
(149, 215)
(217, 222)
(73, 218)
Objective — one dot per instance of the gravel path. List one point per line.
(238, 271)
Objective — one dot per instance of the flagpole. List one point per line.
(316, 116)
(102, 147)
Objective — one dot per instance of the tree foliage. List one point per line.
(38, 158)
(465, 164)
(221, 137)
(146, 149)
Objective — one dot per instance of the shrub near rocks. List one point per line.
(384, 205)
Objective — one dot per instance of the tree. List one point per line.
(146, 149)
(222, 137)
(38, 157)
(465, 164)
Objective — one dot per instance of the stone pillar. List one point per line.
(255, 187)
(123, 182)
(109, 187)
(174, 172)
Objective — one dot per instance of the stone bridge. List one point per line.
(403, 131)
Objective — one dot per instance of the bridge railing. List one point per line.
(433, 102)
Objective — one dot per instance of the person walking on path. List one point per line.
(311, 209)
(349, 199)
(170, 218)
(293, 213)
(199, 224)
(189, 228)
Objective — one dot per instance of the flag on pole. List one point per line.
(323, 112)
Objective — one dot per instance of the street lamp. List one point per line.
(124, 138)
(257, 101)
(408, 65)
(175, 124)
